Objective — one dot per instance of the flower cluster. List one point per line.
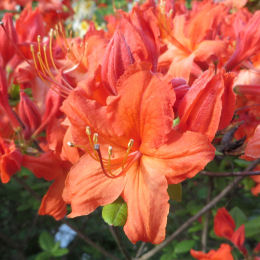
(127, 111)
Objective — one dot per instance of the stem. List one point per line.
(230, 174)
(116, 236)
(204, 236)
(209, 206)
(140, 250)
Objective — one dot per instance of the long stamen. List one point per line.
(95, 138)
(43, 67)
(35, 62)
(97, 149)
(70, 144)
(129, 146)
(109, 158)
(50, 49)
(46, 60)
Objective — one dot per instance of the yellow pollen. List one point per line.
(88, 131)
(129, 146)
(95, 138)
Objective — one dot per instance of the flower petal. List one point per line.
(200, 109)
(52, 202)
(87, 187)
(224, 224)
(144, 107)
(183, 156)
(147, 203)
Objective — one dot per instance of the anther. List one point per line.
(88, 131)
(130, 143)
(70, 144)
(95, 138)
(110, 150)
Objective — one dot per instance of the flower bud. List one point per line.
(29, 114)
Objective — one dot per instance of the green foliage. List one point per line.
(115, 213)
(238, 215)
(252, 228)
(184, 246)
(50, 247)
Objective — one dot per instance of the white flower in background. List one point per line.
(84, 10)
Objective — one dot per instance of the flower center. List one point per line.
(111, 168)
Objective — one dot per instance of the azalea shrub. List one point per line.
(130, 129)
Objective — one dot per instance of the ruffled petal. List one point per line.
(52, 202)
(182, 157)
(87, 187)
(200, 109)
(147, 202)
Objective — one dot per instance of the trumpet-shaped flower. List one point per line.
(131, 151)
(224, 252)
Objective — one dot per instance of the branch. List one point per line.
(230, 174)
(209, 206)
(116, 236)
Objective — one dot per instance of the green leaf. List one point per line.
(46, 241)
(60, 252)
(238, 215)
(55, 247)
(115, 213)
(184, 246)
(175, 192)
(252, 227)
(43, 256)
(241, 163)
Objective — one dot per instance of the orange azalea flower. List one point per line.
(224, 226)
(10, 160)
(131, 151)
(192, 41)
(224, 252)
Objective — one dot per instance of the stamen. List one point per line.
(46, 60)
(95, 138)
(70, 144)
(41, 63)
(35, 62)
(50, 50)
(109, 158)
(97, 149)
(39, 43)
(88, 131)
(129, 146)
